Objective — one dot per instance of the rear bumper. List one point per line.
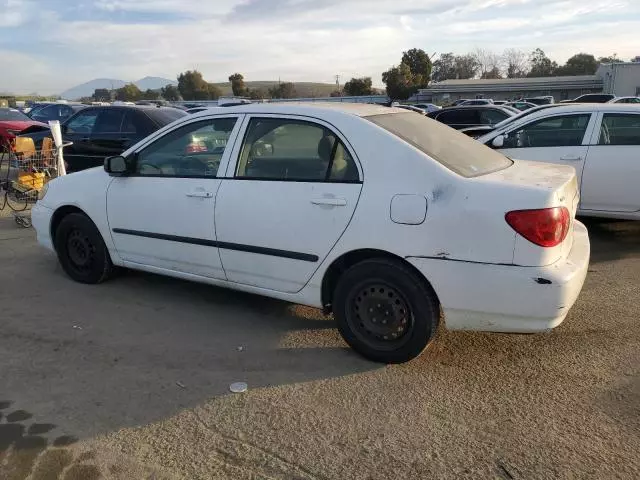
(503, 298)
(41, 221)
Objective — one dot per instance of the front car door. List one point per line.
(611, 178)
(288, 197)
(162, 215)
(562, 139)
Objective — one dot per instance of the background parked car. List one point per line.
(12, 122)
(480, 130)
(99, 132)
(594, 98)
(466, 117)
(544, 100)
(601, 141)
(625, 100)
(55, 111)
(428, 107)
(477, 101)
(521, 105)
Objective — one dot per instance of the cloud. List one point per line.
(60, 44)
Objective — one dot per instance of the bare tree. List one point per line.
(515, 62)
(488, 62)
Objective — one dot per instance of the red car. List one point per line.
(12, 122)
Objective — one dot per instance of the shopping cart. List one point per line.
(24, 171)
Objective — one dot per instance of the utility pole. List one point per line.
(338, 82)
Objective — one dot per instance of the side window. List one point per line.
(194, 150)
(620, 129)
(83, 122)
(135, 124)
(560, 131)
(284, 149)
(459, 117)
(109, 121)
(490, 116)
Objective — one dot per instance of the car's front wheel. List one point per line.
(385, 311)
(81, 249)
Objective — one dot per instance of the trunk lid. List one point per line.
(530, 185)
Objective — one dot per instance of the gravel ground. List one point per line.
(130, 380)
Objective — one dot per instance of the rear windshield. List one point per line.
(11, 114)
(164, 116)
(453, 149)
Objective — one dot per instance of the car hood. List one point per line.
(20, 124)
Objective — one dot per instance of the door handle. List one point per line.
(331, 201)
(200, 194)
(571, 158)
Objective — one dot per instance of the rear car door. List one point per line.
(611, 177)
(162, 215)
(78, 130)
(562, 139)
(285, 202)
(106, 139)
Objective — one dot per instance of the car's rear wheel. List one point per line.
(81, 249)
(385, 311)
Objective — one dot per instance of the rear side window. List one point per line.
(456, 151)
(164, 116)
(293, 150)
(491, 116)
(560, 131)
(136, 123)
(620, 129)
(459, 117)
(109, 121)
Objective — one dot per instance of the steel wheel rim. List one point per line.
(80, 251)
(379, 315)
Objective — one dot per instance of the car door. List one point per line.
(289, 196)
(162, 214)
(562, 139)
(78, 130)
(106, 139)
(611, 177)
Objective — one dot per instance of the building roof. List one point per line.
(511, 84)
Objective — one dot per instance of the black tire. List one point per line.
(81, 250)
(384, 291)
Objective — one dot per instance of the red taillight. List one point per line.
(546, 227)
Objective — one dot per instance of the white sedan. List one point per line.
(600, 140)
(384, 217)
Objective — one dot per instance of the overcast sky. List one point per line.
(50, 45)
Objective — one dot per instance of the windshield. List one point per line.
(456, 151)
(12, 114)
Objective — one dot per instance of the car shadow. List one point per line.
(613, 239)
(142, 347)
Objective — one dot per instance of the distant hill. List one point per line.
(87, 89)
(154, 83)
(304, 89)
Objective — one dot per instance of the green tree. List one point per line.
(170, 93)
(444, 68)
(150, 95)
(579, 64)
(419, 65)
(193, 87)
(257, 93)
(101, 95)
(283, 90)
(213, 92)
(541, 65)
(466, 66)
(400, 82)
(128, 93)
(238, 86)
(336, 93)
(612, 59)
(358, 86)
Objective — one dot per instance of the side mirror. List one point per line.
(116, 166)
(498, 142)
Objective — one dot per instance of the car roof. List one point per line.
(590, 107)
(309, 108)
